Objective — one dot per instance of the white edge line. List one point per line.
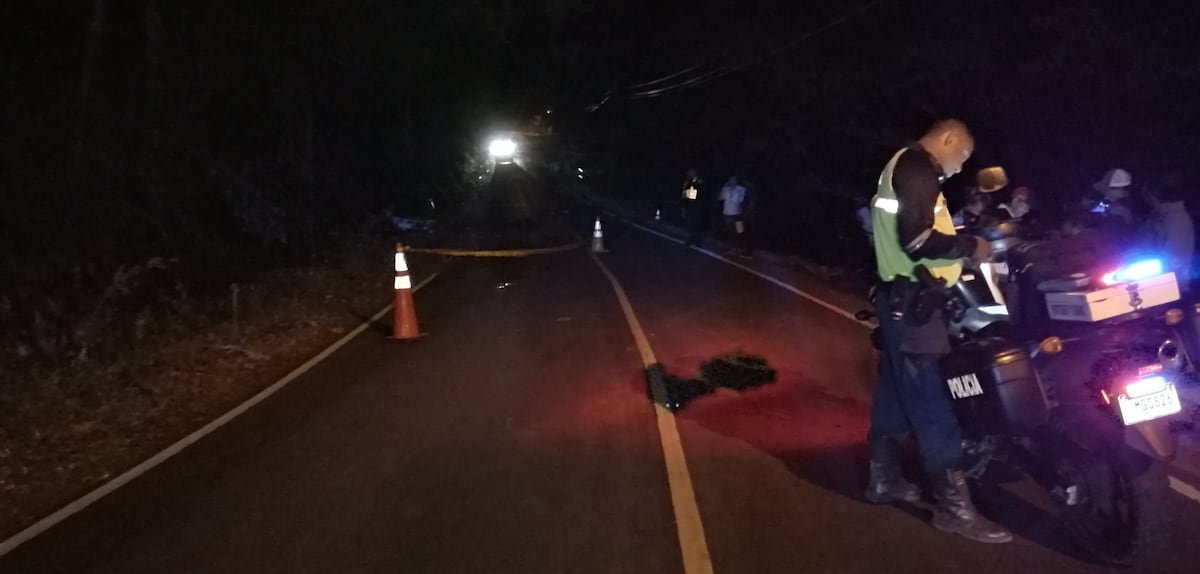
(693, 546)
(793, 289)
(804, 294)
(1177, 485)
(128, 476)
(658, 233)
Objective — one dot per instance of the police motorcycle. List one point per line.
(1063, 369)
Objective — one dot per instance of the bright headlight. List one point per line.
(502, 148)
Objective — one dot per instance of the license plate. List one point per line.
(1150, 407)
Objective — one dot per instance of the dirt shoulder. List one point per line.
(66, 430)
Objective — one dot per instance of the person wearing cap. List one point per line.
(1115, 186)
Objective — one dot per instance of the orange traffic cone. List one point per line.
(404, 322)
(598, 238)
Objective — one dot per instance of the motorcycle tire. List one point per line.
(1113, 502)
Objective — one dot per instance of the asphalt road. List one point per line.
(518, 438)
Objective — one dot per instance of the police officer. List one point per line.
(913, 227)
(694, 207)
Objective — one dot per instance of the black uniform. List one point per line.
(695, 208)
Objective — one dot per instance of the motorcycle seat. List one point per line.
(1038, 267)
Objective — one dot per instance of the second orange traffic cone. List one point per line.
(404, 323)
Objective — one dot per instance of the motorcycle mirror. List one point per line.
(991, 179)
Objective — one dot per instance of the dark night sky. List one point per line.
(288, 101)
(1059, 91)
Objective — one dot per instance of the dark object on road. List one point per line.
(679, 391)
(738, 371)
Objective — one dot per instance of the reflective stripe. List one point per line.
(888, 204)
(401, 263)
(892, 206)
(403, 282)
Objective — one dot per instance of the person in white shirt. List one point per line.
(733, 198)
(1019, 206)
(1170, 229)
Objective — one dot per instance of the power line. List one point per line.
(669, 77)
(863, 9)
(719, 72)
(703, 78)
(782, 48)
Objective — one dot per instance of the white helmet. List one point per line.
(1115, 184)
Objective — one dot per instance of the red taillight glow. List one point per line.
(1146, 386)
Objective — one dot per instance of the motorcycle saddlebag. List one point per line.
(994, 388)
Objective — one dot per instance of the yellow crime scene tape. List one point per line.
(496, 253)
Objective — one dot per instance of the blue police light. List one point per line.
(1135, 272)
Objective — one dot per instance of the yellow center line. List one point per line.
(1177, 484)
(692, 544)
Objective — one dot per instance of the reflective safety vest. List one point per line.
(892, 260)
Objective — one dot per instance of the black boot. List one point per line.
(956, 514)
(886, 483)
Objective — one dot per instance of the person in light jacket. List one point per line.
(1170, 230)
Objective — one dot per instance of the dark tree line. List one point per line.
(230, 137)
(234, 136)
(1057, 91)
